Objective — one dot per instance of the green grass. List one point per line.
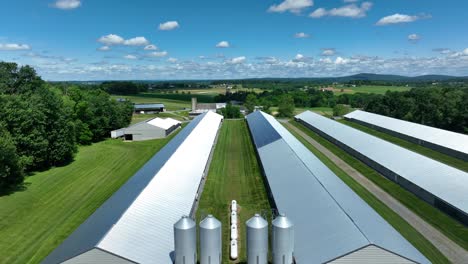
(451, 161)
(411, 234)
(451, 228)
(375, 89)
(234, 175)
(170, 104)
(142, 117)
(35, 221)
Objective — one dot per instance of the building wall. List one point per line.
(415, 189)
(371, 255)
(144, 131)
(441, 149)
(97, 256)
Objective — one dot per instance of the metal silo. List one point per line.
(185, 241)
(282, 240)
(210, 241)
(257, 240)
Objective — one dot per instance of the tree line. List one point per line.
(42, 124)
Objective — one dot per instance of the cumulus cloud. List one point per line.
(14, 46)
(299, 57)
(293, 6)
(104, 48)
(111, 39)
(340, 61)
(237, 60)
(414, 38)
(67, 4)
(223, 44)
(442, 50)
(169, 25)
(350, 1)
(328, 52)
(172, 60)
(301, 35)
(151, 47)
(158, 54)
(399, 18)
(130, 57)
(351, 11)
(137, 41)
(465, 52)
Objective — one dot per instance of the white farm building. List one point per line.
(149, 129)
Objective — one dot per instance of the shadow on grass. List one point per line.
(5, 191)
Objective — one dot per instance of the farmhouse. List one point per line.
(149, 129)
(332, 223)
(438, 184)
(135, 225)
(149, 108)
(447, 142)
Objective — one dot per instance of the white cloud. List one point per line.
(443, 51)
(172, 60)
(67, 4)
(294, 6)
(137, 41)
(169, 25)
(351, 11)
(111, 39)
(350, 1)
(301, 35)
(223, 44)
(399, 18)
(414, 38)
(151, 47)
(465, 52)
(104, 48)
(130, 57)
(328, 52)
(158, 54)
(299, 57)
(237, 60)
(340, 60)
(14, 46)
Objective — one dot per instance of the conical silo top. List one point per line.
(185, 223)
(282, 221)
(257, 222)
(210, 222)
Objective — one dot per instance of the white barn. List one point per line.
(149, 129)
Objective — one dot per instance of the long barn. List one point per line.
(440, 185)
(332, 223)
(135, 225)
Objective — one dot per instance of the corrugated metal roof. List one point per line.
(165, 123)
(330, 219)
(448, 139)
(136, 222)
(445, 182)
(147, 106)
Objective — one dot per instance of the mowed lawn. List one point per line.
(450, 227)
(234, 175)
(35, 221)
(451, 161)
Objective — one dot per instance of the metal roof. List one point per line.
(164, 123)
(330, 219)
(136, 222)
(448, 139)
(445, 182)
(147, 106)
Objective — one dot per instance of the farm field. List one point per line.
(171, 104)
(55, 202)
(175, 115)
(451, 228)
(327, 111)
(234, 175)
(412, 235)
(374, 89)
(451, 161)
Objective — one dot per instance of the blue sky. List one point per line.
(207, 39)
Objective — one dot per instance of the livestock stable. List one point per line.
(332, 223)
(447, 142)
(149, 129)
(436, 183)
(135, 225)
(148, 108)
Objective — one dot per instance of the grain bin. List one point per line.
(282, 240)
(257, 240)
(185, 241)
(233, 218)
(234, 234)
(210, 241)
(234, 250)
(234, 206)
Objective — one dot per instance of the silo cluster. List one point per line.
(234, 234)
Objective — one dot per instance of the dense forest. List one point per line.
(41, 124)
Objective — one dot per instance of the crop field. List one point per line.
(451, 228)
(412, 235)
(451, 161)
(234, 175)
(181, 116)
(375, 89)
(55, 202)
(170, 104)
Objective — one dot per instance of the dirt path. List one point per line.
(450, 249)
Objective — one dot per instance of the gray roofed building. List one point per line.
(448, 142)
(148, 129)
(332, 223)
(149, 108)
(135, 225)
(438, 184)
